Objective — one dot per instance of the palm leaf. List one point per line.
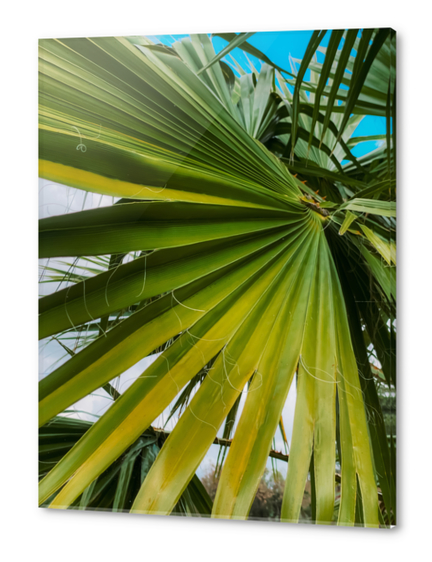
(236, 270)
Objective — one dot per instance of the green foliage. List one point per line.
(116, 488)
(249, 246)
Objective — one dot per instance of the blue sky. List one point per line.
(279, 46)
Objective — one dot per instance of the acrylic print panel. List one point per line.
(217, 250)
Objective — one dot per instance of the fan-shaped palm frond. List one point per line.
(248, 273)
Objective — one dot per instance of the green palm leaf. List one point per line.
(237, 268)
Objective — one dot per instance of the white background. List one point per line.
(78, 536)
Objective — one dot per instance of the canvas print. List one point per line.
(217, 244)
